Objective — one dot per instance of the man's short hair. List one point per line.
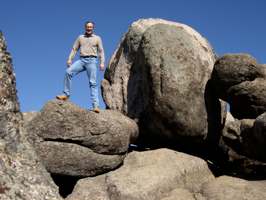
(89, 22)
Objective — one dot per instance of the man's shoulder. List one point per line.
(96, 36)
(82, 35)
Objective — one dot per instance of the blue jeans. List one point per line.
(88, 64)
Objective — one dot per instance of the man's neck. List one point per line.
(88, 34)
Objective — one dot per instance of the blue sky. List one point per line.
(40, 35)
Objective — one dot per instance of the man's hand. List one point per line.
(101, 67)
(69, 62)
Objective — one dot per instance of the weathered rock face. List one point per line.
(28, 117)
(73, 141)
(159, 76)
(239, 136)
(147, 175)
(247, 137)
(229, 118)
(259, 130)
(240, 80)
(239, 149)
(230, 188)
(22, 175)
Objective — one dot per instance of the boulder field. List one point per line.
(165, 89)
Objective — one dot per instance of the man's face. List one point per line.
(89, 28)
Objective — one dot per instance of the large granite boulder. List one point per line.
(232, 188)
(73, 141)
(147, 175)
(239, 80)
(159, 76)
(22, 175)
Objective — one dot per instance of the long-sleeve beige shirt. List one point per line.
(89, 46)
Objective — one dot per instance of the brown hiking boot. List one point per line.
(96, 109)
(62, 97)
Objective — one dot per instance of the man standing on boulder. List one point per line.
(89, 44)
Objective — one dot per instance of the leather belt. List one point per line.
(89, 56)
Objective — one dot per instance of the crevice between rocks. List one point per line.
(66, 184)
(69, 141)
(64, 141)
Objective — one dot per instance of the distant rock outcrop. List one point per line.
(159, 76)
(148, 175)
(22, 176)
(239, 80)
(73, 141)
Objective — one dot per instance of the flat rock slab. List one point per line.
(64, 133)
(183, 195)
(231, 188)
(147, 175)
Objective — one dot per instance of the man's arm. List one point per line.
(101, 54)
(101, 66)
(69, 63)
(73, 52)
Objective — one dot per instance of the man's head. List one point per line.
(89, 26)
